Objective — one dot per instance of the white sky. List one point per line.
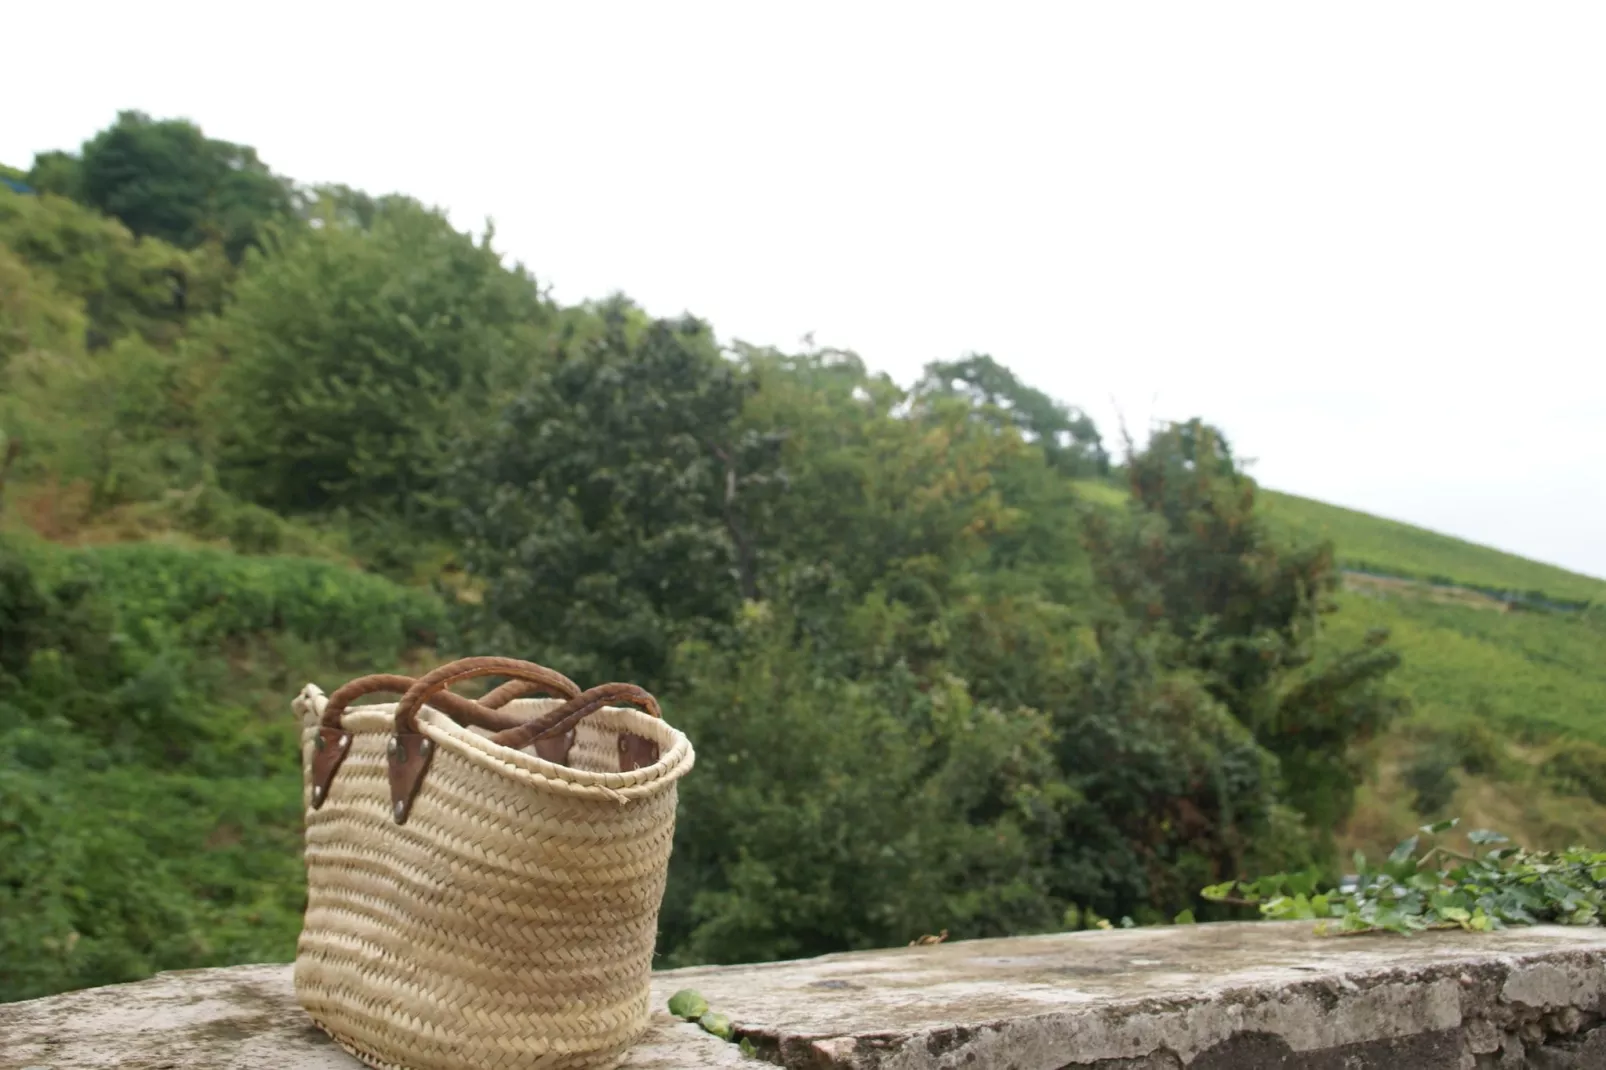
(1366, 239)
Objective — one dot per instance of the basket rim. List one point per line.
(675, 759)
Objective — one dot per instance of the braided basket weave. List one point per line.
(484, 878)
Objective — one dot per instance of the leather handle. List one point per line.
(410, 752)
(573, 712)
(332, 741)
(462, 710)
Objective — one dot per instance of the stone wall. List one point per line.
(1209, 997)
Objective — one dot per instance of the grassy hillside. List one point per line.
(1391, 548)
(1533, 675)
(1508, 722)
(1367, 543)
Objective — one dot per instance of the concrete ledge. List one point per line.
(1211, 997)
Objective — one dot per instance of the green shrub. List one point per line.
(199, 598)
(149, 773)
(127, 286)
(1432, 780)
(1578, 768)
(1481, 751)
(831, 813)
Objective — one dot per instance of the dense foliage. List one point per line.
(149, 785)
(607, 508)
(355, 355)
(947, 664)
(1199, 563)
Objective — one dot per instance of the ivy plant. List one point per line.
(1425, 884)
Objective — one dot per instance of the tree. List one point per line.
(166, 179)
(126, 286)
(846, 813)
(1068, 437)
(115, 420)
(60, 173)
(611, 510)
(354, 358)
(35, 316)
(342, 205)
(881, 495)
(1192, 558)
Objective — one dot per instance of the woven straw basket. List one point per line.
(484, 878)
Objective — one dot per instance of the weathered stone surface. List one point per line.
(240, 1018)
(1212, 997)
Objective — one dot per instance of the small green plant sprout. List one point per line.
(688, 1004)
(1435, 887)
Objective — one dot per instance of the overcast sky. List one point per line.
(1366, 239)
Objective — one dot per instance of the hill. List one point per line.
(1503, 660)
(1508, 722)
(1368, 543)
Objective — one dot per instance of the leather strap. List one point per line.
(462, 710)
(333, 742)
(577, 709)
(410, 751)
